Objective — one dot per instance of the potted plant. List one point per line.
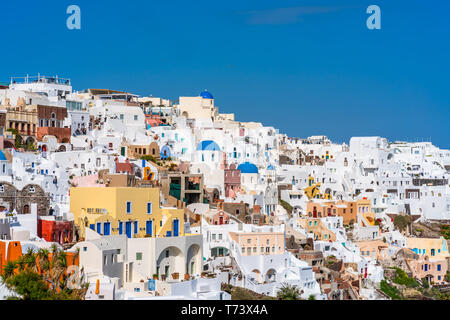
(175, 275)
(187, 276)
(155, 276)
(163, 277)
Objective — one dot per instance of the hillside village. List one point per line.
(105, 194)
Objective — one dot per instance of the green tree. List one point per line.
(401, 221)
(29, 285)
(8, 270)
(288, 292)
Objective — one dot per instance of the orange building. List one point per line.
(345, 209)
(258, 243)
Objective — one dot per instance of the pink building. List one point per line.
(232, 181)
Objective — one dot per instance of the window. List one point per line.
(136, 227)
(135, 117)
(214, 236)
(128, 207)
(167, 253)
(138, 255)
(84, 249)
(249, 241)
(149, 208)
(31, 189)
(438, 267)
(220, 236)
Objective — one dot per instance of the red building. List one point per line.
(123, 167)
(53, 230)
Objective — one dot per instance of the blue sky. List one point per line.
(305, 67)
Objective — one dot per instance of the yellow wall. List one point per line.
(439, 246)
(114, 201)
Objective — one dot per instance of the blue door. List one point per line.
(149, 228)
(99, 227)
(92, 226)
(106, 228)
(176, 223)
(128, 228)
(120, 227)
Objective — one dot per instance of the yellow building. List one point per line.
(434, 248)
(124, 210)
(318, 228)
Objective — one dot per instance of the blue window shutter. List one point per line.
(92, 226)
(128, 228)
(136, 226)
(149, 228)
(120, 227)
(176, 223)
(99, 227)
(149, 207)
(106, 228)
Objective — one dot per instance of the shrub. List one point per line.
(286, 206)
(402, 278)
(390, 291)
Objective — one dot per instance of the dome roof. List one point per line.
(206, 95)
(208, 145)
(2, 156)
(247, 167)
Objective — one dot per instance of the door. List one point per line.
(220, 220)
(106, 228)
(128, 228)
(149, 228)
(175, 227)
(122, 151)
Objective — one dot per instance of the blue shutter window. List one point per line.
(128, 228)
(92, 226)
(438, 267)
(176, 226)
(149, 228)
(128, 206)
(120, 227)
(149, 208)
(99, 227)
(136, 229)
(106, 228)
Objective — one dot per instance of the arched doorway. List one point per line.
(170, 260)
(26, 209)
(271, 275)
(256, 274)
(193, 259)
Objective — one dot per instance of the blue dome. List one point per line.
(206, 95)
(2, 156)
(247, 167)
(208, 145)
